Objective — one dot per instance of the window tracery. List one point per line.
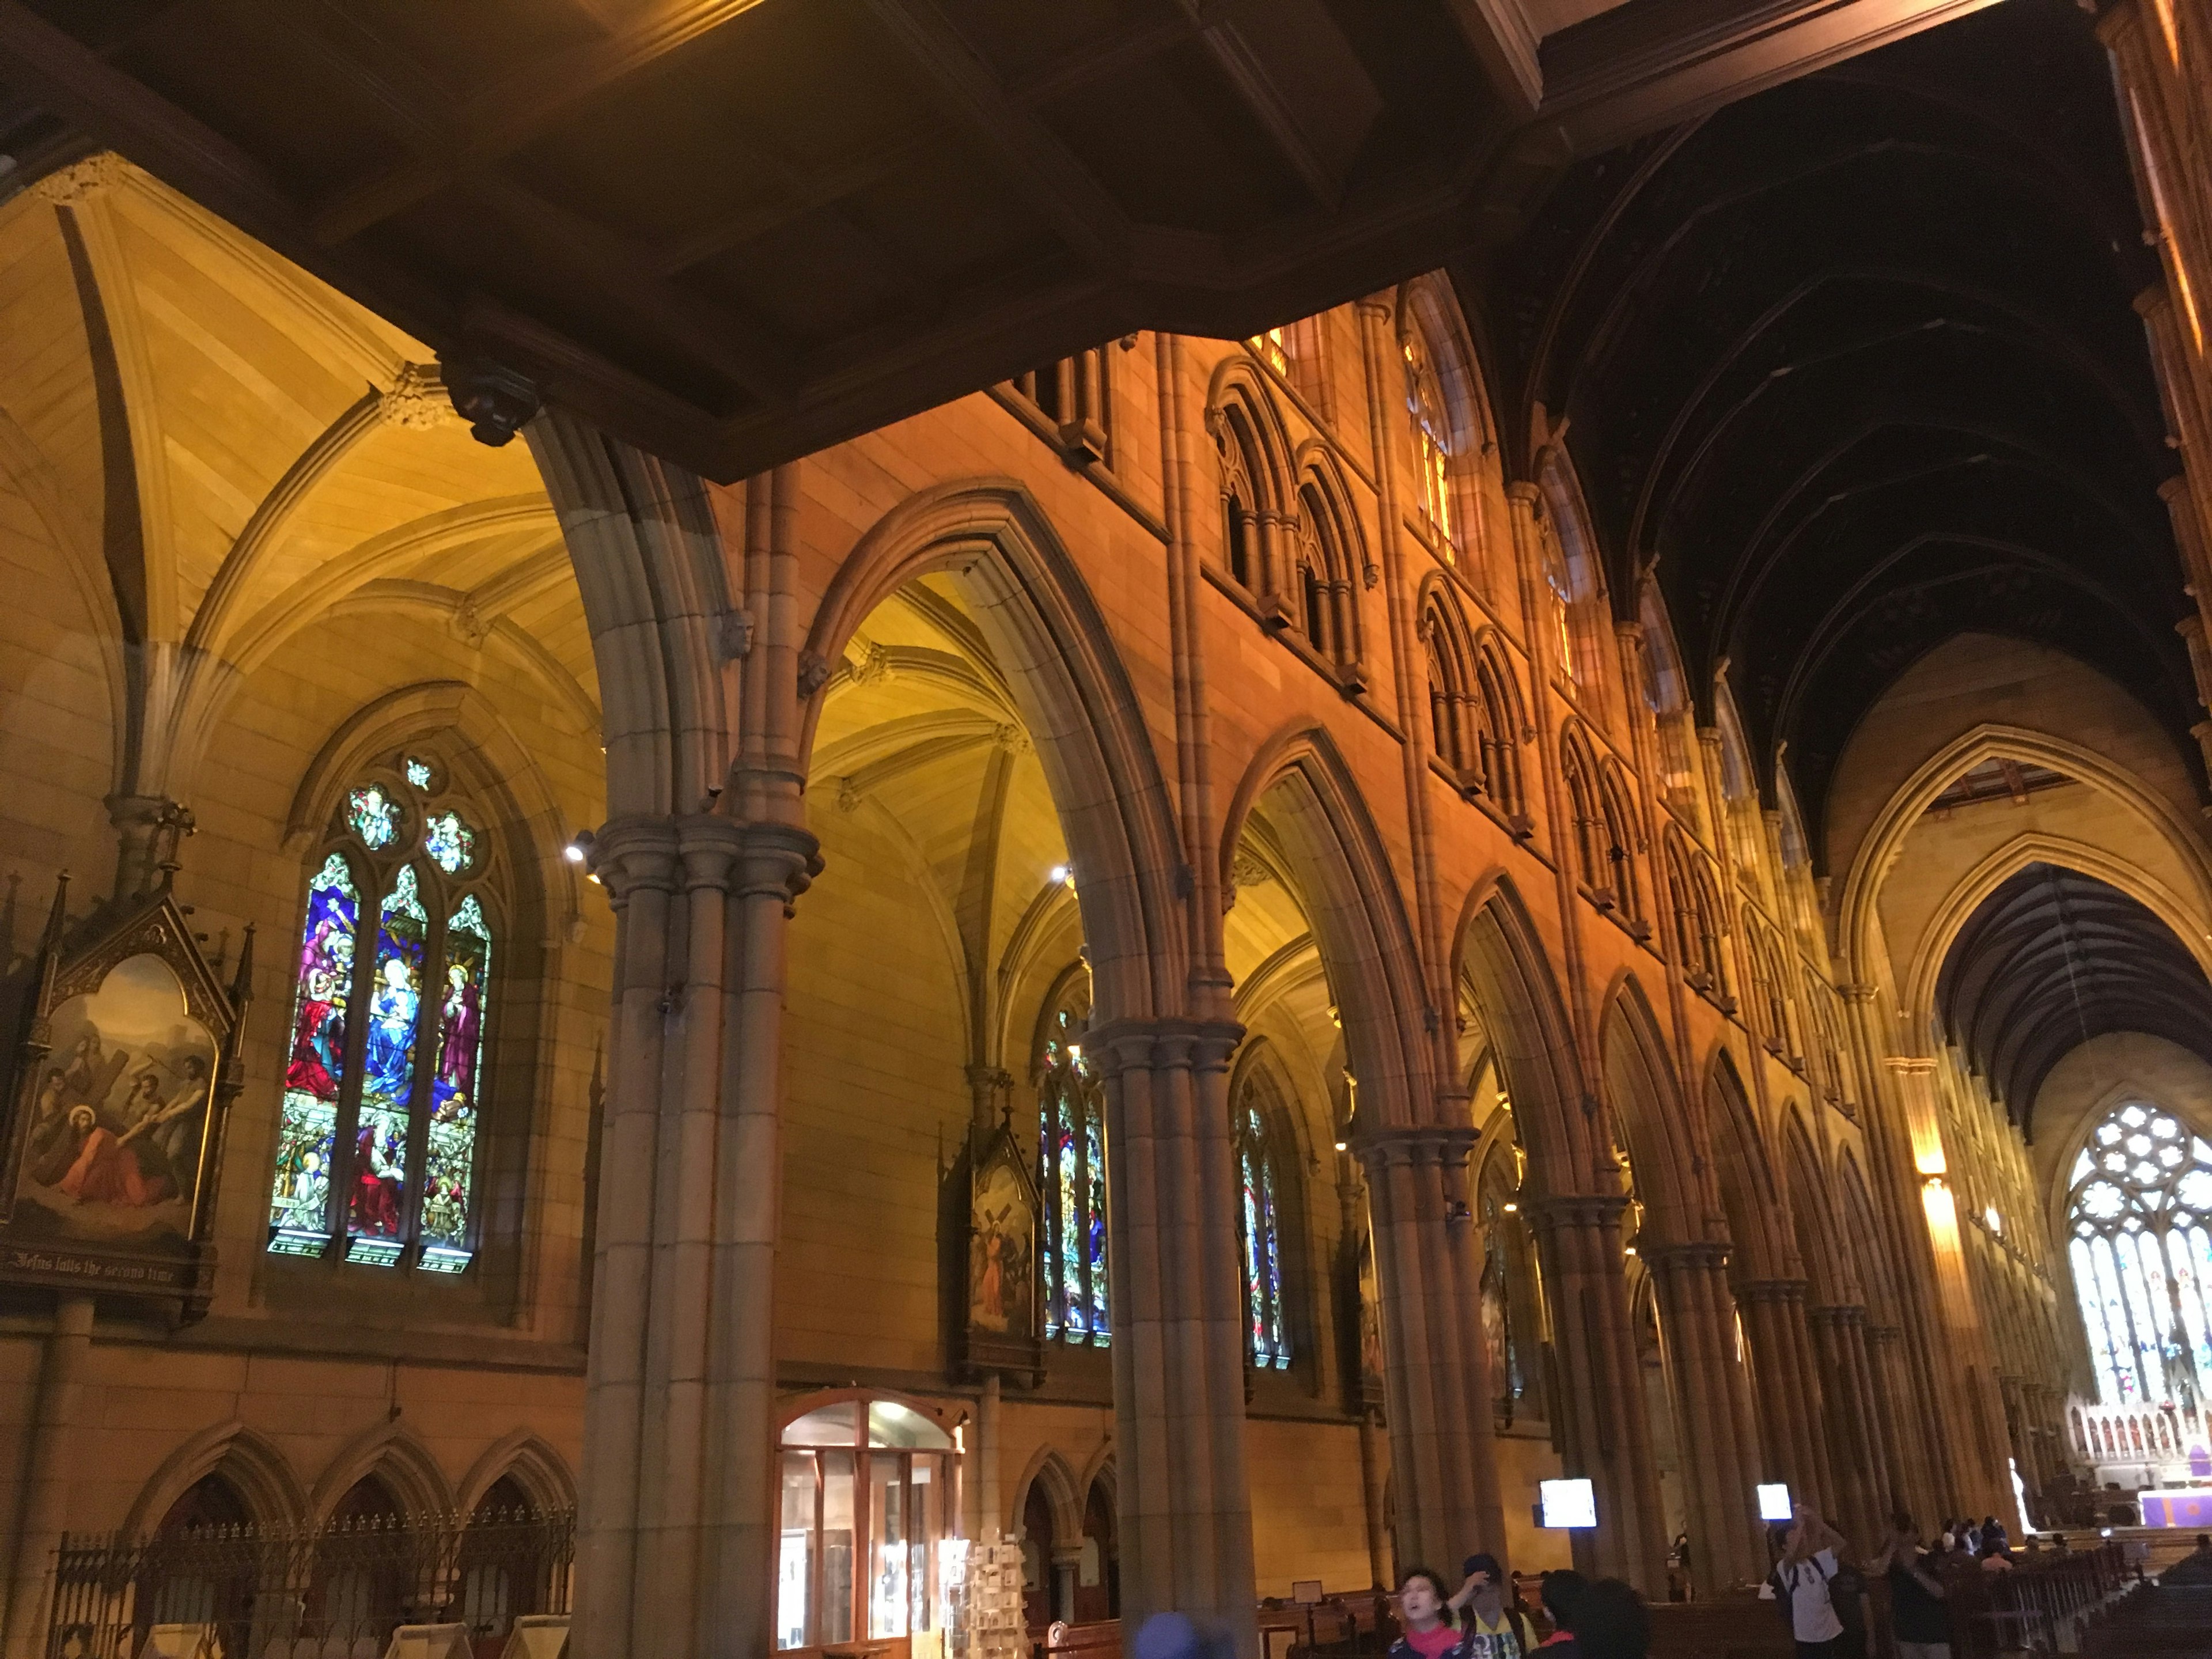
(2140, 1217)
(379, 1120)
(1072, 1176)
(1432, 441)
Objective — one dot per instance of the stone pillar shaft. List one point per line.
(1178, 1324)
(1436, 1369)
(1719, 1467)
(50, 1465)
(1786, 1387)
(1606, 1436)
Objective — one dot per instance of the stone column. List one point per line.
(1171, 1195)
(1380, 1567)
(49, 1468)
(1854, 1428)
(1786, 1387)
(1436, 1371)
(1606, 1435)
(1711, 1392)
(678, 1521)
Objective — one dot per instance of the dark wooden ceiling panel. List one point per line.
(733, 230)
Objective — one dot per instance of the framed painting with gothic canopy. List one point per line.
(121, 1082)
(1003, 1280)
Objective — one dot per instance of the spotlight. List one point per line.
(578, 848)
(1058, 874)
(1513, 1209)
(1342, 1145)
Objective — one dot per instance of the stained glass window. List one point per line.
(1072, 1156)
(373, 815)
(1268, 1335)
(377, 1142)
(2140, 1214)
(450, 841)
(315, 1063)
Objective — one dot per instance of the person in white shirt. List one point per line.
(1801, 1578)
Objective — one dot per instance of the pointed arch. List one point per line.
(1751, 1198)
(1499, 956)
(656, 588)
(527, 1460)
(396, 1456)
(1827, 1264)
(1351, 897)
(1047, 1472)
(1257, 499)
(1450, 417)
(1077, 703)
(1333, 566)
(1877, 1283)
(1653, 1116)
(255, 1469)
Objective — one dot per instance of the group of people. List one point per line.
(1590, 1618)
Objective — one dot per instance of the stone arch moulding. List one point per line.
(1872, 861)
(1828, 1266)
(1497, 950)
(1099, 1473)
(1654, 1120)
(1763, 1245)
(1978, 883)
(541, 1472)
(495, 761)
(1047, 1471)
(651, 568)
(1023, 954)
(251, 1462)
(393, 1454)
(1237, 379)
(1349, 891)
(1046, 630)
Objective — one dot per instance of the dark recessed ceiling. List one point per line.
(1854, 362)
(734, 230)
(2052, 958)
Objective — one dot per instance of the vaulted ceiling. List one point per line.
(735, 231)
(2052, 958)
(1854, 364)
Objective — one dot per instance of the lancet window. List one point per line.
(2140, 1217)
(1072, 1176)
(1268, 1333)
(1432, 446)
(376, 1144)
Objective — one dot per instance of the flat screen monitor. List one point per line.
(1774, 1503)
(1568, 1503)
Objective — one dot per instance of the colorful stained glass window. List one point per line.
(449, 839)
(448, 1170)
(315, 1062)
(2140, 1213)
(382, 1096)
(1268, 1335)
(1071, 1125)
(372, 815)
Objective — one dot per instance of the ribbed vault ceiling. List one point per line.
(1855, 364)
(2053, 958)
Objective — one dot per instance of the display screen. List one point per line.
(1568, 1503)
(1774, 1503)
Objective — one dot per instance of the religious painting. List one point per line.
(1001, 1272)
(1497, 1331)
(1004, 1273)
(1370, 1304)
(120, 1085)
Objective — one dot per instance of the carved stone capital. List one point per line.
(1837, 1316)
(496, 401)
(1414, 1147)
(1910, 1064)
(417, 399)
(1158, 1045)
(1771, 1292)
(80, 180)
(1704, 1255)
(1579, 1210)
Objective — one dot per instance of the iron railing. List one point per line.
(331, 1592)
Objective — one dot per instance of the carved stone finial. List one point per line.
(874, 666)
(496, 401)
(417, 399)
(67, 187)
(1011, 738)
(850, 795)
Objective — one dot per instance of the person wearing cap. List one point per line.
(1491, 1630)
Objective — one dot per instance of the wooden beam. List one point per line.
(1642, 67)
(509, 113)
(1056, 185)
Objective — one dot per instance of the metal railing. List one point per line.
(332, 1592)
